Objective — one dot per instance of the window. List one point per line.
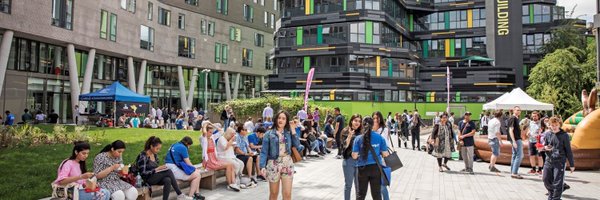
(164, 16)
(259, 40)
(247, 57)
(187, 47)
(146, 38)
(203, 25)
(211, 28)
(128, 5)
(217, 52)
(458, 19)
(150, 10)
(224, 53)
(479, 17)
(103, 24)
(222, 6)
(262, 2)
(248, 13)
(272, 20)
(266, 19)
(235, 34)
(62, 13)
(113, 27)
(357, 32)
(372, 4)
(181, 21)
(5, 6)
(192, 2)
(274, 4)
(108, 25)
(268, 62)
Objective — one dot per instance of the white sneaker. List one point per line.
(233, 187)
(251, 185)
(242, 186)
(184, 197)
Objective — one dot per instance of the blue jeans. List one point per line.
(384, 193)
(349, 168)
(89, 196)
(517, 157)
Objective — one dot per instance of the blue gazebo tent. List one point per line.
(115, 92)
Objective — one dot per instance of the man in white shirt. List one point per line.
(494, 139)
(267, 112)
(535, 157)
(159, 113)
(483, 123)
(302, 115)
(249, 125)
(153, 112)
(195, 112)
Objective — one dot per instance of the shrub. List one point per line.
(27, 135)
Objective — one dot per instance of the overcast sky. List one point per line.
(585, 8)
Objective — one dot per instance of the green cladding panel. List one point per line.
(390, 67)
(312, 6)
(447, 20)
(531, 13)
(299, 36)
(411, 22)
(344, 4)
(463, 47)
(452, 47)
(425, 48)
(457, 97)
(320, 34)
(306, 64)
(369, 32)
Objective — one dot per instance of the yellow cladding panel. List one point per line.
(492, 84)
(378, 60)
(307, 7)
(315, 48)
(404, 83)
(447, 47)
(438, 75)
(470, 18)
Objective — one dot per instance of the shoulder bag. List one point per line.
(187, 169)
(386, 172)
(392, 161)
(296, 157)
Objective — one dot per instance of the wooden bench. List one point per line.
(330, 142)
(208, 181)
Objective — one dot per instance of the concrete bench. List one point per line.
(208, 181)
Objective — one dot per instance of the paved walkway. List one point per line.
(419, 179)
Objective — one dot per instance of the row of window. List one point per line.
(361, 32)
(5, 6)
(532, 43)
(108, 25)
(454, 47)
(539, 13)
(452, 20)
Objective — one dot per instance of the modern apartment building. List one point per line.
(398, 50)
(54, 50)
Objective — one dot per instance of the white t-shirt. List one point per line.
(222, 152)
(40, 117)
(386, 135)
(493, 128)
(249, 126)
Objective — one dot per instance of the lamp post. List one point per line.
(206, 71)
(414, 65)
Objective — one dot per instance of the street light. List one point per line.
(414, 65)
(206, 71)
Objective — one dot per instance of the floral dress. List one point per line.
(446, 145)
(281, 168)
(112, 182)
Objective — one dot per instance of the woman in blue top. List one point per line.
(368, 171)
(275, 161)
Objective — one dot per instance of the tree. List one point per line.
(561, 75)
(565, 36)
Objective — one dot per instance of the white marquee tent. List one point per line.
(517, 97)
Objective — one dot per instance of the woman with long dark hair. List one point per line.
(365, 146)
(153, 174)
(349, 133)
(73, 170)
(310, 138)
(275, 161)
(108, 164)
(442, 140)
(380, 128)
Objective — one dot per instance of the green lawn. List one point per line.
(28, 172)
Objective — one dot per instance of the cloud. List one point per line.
(585, 9)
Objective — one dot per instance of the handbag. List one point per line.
(392, 161)
(187, 169)
(386, 174)
(69, 191)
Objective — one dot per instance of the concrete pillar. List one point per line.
(262, 83)
(227, 86)
(4, 53)
(142, 79)
(131, 74)
(182, 95)
(190, 97)
(236, 86)
(73, 78)
(89, 71)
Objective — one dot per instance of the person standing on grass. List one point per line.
(153, 174)
(73, 170)
(365, 146)
(442, 139)
(467, 128)
(275, 161)
(514, 137)
(177, 154)
(535, 157)
(494, 139)
(349, 164)
(267, 112)
(558, 151)
(339, 125)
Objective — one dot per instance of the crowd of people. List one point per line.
(37, 117)
(265, 150)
